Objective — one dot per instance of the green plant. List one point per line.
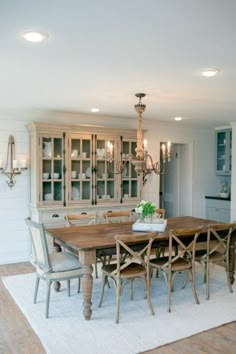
(145, 208)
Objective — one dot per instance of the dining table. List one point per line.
(90, 241)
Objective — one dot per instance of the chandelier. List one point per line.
(142, 161)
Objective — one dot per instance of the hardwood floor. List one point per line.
(17, 337)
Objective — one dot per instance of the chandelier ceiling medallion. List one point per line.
(143, 162)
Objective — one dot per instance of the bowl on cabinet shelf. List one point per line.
(224, 195)
(56, 175)
(48, 196)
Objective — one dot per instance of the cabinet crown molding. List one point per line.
(90, 129)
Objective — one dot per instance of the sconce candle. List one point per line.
(15, 164)
(23, 164)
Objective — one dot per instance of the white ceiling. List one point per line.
(101, 52)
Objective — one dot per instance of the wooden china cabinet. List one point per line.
(70, 172)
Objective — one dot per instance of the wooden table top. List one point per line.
(102, 235)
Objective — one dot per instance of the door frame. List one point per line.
(183, 197)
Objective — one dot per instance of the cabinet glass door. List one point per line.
(230, 151)
(105, 177)
(223, 152)
(80, 169)
(52, 169)
(129, 176)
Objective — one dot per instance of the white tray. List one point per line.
(139, 226)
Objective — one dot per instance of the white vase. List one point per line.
(148, 219)
(47, 149)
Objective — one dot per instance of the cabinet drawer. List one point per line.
(218, 203)
(53, 218)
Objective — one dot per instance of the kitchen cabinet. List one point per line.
(218, 209)
(71, 173)
(223, 152)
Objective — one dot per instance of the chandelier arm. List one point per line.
(156, 167)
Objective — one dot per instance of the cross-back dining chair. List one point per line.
(171, 265)
(216, 252)
(160, 213)
(118, 216)
(51, 267)
(114, 217)
(79, 220)
(135, 266)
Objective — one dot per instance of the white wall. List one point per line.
(204, 180)
(14, 204)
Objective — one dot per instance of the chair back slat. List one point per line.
(39, 242)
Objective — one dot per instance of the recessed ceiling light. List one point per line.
(178, 118)
(210, 72)
(35, 36)
(94, 110)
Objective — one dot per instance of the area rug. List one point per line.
(66, 331)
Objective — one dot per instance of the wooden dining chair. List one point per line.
(216, 252)
(114, 217)
(174, 264)
(160, 213)
(51, 267)
(135, 266)
(163, 246)
(80, 220)
(118, 216)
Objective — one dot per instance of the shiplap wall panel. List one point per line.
(14, 203)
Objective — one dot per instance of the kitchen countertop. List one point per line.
(216, 197)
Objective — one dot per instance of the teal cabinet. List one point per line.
(218, 210)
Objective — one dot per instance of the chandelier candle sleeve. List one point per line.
(168, 150)
(109, 151)
(145, 145)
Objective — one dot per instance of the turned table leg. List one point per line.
(232, 261)
(87, 284)
(87, 258)
(56, 284)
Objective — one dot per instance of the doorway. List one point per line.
(176, 184)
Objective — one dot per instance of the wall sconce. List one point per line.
(11, 168)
